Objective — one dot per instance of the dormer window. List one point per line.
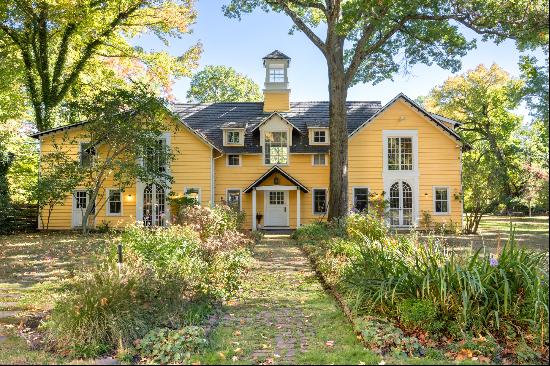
(318, 136)
(233, 137)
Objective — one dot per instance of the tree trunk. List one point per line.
(338, 203)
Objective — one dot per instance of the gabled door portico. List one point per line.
(276, 199)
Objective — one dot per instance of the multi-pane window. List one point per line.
(361, 199)
(87, 154)
(233, 137)
(194, 194)
(319, 201)
(114, 203)
(320, 136)
(400, 153)
(155, 157)
(233, 160)
(277, 75)
(319, 159)
(277, 198)
(441, 200)
(234, 199)
(276, 148)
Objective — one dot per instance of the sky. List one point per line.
(242, 44)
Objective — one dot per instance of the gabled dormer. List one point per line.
(276, 91)
(233, 134)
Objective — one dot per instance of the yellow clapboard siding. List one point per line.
(191, 168)
(438, 162)
(276, 101)
(438, 158)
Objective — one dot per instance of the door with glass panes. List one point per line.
(153, 195)
(401, 204)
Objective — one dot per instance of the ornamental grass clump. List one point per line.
(477, 292)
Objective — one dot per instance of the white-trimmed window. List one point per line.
(319, 159)
(233, 160)
(87, 154)
(361, 199)
(400, 153)
(234, 199)
(442, 200)
(320, 136)
(233, 137)
(276, 75)
(320, 201)
(114, 202)
(276, 147)
(155, 157)
(193, 193)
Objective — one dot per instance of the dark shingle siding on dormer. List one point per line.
(209, 119)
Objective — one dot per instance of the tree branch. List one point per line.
(302, 25)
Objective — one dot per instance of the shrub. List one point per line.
(105, 308)
(165, 346)
(361, 226)
(208, 221)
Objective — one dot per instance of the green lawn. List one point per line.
(531, 232)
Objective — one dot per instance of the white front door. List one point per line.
(276, 208)
(81, 200)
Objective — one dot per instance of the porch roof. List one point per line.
(276, 169)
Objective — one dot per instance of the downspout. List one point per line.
(213, 178)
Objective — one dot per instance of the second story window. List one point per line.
(155, 157)
(87, 154)
(276, 147)
(233, 160)
(319, 159)
(400, 153)
(233, 137)
(276, 75)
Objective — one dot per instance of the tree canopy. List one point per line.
(485, 100)
(222, 84)
(54, 43)
(369, 40)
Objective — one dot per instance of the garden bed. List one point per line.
(418, 298)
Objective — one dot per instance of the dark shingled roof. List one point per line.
(276, 55)
(208, 119)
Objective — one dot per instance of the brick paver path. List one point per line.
(274, 318)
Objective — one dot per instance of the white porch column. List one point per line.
(254, 209)
(298, 193)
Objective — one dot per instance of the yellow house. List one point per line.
(271, 160)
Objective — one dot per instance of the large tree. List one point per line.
(216, 84)
(485, 101)
(53, 42)
(369, 40)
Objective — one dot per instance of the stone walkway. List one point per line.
(276, 317)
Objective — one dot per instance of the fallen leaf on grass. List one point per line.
(329, 343)
(222, 355)
(237, 333)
